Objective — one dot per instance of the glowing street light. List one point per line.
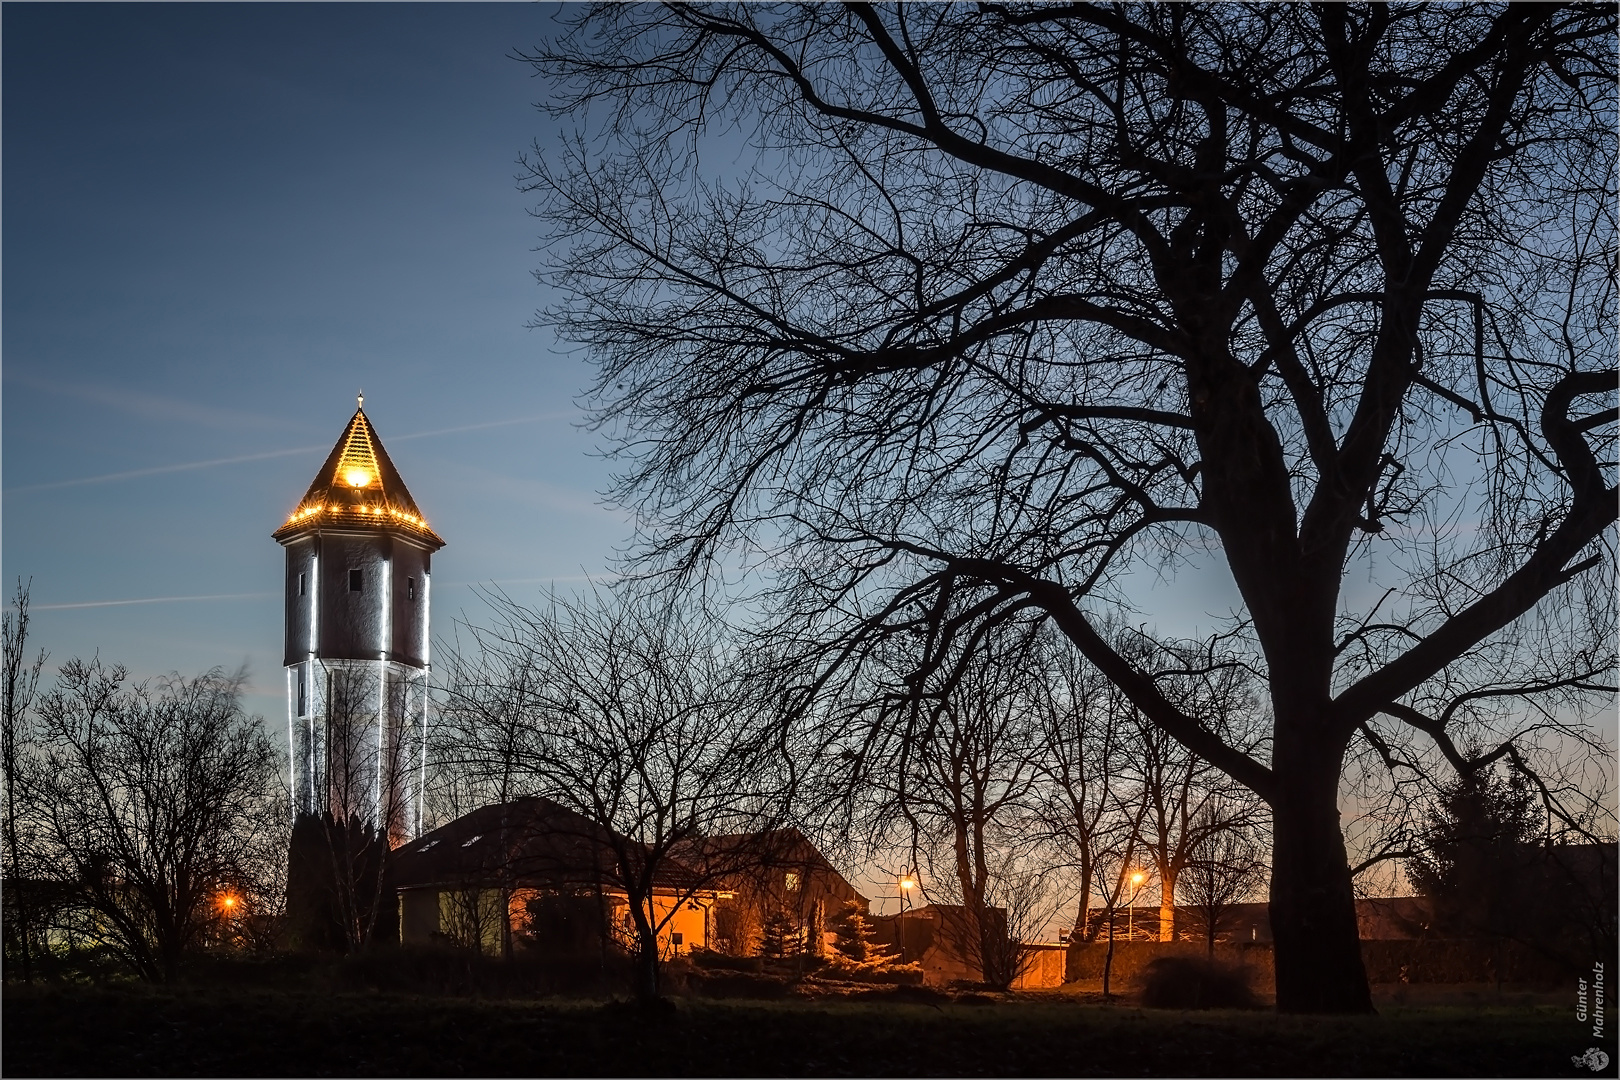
(907, 883)
(1130, 910)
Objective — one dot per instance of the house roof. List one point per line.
(358, 487)
(528, 842)
(732, 854)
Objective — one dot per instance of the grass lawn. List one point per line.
(214, 1031)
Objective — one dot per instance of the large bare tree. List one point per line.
(1008, 302)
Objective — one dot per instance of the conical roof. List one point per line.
(358, 487)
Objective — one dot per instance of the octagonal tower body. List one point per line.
(358, 599)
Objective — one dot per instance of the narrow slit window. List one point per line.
(357, 580)
(410, 588)
(303, 690)
(303, 584)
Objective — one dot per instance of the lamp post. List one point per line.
(1130, 911)
(907, 883)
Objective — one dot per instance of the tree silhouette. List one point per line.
(150, 804)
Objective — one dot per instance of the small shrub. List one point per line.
(1189, 982)
(710, 960)
(739, 984)
(843, 970)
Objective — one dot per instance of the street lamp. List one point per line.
(907, 883)
(1130, 911)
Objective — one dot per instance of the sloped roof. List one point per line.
(358, 487)
(531, 842)
(736, 855)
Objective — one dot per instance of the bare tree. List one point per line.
(1119, 879)
(1082, 725)
(1015, 300)
(638, 717)
(152, 803)
(963, 772)
(479, 736)
(21, 680)
(1178, 788)
(1225, 867)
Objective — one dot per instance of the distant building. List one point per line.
(943, 940)
(780, 892)
(534, 876)
(358, 594)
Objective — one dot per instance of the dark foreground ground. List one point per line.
(214, 1031)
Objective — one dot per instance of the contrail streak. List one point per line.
(187, 466)
(156, 469)
(151, 600)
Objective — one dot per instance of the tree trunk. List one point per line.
(1313, 908)
(647, 967)
(1167, 921)
(1083, 930)
(1108, 960)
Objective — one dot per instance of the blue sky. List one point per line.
(220, 223)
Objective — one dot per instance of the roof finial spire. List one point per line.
(360, 400)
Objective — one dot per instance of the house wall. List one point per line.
(465, 916)
(810, 896)
(1045, 967)
(473, 918)
(690, 921)
(418, 916)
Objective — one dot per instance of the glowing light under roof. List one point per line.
(358, 485)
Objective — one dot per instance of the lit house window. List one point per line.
(791, 881)
(356, 580)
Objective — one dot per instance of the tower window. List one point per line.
(357, 580)
(303, 584)
(410, 588)
(303, 690)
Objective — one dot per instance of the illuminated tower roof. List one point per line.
(358, 487)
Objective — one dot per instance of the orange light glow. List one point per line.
(357, 478)
(1138, 878)
(906, 883)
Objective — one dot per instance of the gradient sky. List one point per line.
(220, 223)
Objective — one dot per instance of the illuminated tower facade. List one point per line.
(358, 598)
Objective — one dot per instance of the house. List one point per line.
(779, 894)
(533, 875)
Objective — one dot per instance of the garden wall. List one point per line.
(1434, 961)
